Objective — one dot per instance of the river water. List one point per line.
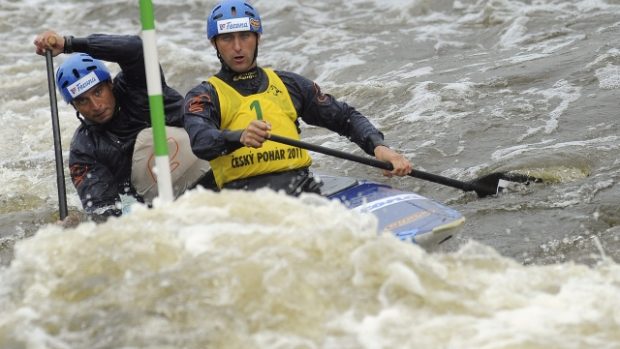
(463, 88)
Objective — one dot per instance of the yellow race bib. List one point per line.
(274, 105)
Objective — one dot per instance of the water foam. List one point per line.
(221, 270)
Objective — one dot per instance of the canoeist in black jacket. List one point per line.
(111, 150)
(230, 116)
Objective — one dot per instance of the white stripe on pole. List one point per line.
(153, 79)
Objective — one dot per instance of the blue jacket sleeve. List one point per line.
(202, 122)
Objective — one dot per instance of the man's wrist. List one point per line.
(380, 143)
(377, 140)
(232, 136)
(68, 47)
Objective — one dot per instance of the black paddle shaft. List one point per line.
(486, 186)
(60, 173)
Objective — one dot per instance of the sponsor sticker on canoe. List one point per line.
(84, 84)
(389, 201)
(233, 25)
(407, 220)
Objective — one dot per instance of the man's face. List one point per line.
(237, 50)
(97, 104)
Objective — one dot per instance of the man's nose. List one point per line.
(96, 103)
(237, 43)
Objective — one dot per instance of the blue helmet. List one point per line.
(78, 74)
(233, 16)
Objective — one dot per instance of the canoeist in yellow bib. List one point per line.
(230, 116)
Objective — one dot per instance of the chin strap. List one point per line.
(77, 115)
(255, 51)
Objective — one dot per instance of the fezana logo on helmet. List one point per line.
(84, 84)
(233, 25)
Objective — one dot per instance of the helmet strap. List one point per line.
(77, 115)
(255, 51)
(219, 55)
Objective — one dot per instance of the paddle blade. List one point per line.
(520, 178)
(493, 183)
(486, 185)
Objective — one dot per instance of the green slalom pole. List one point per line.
(156, 101)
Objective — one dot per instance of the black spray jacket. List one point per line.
(101, 155)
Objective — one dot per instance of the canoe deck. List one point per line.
(407, 215)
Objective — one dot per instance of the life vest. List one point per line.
(274, 105)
